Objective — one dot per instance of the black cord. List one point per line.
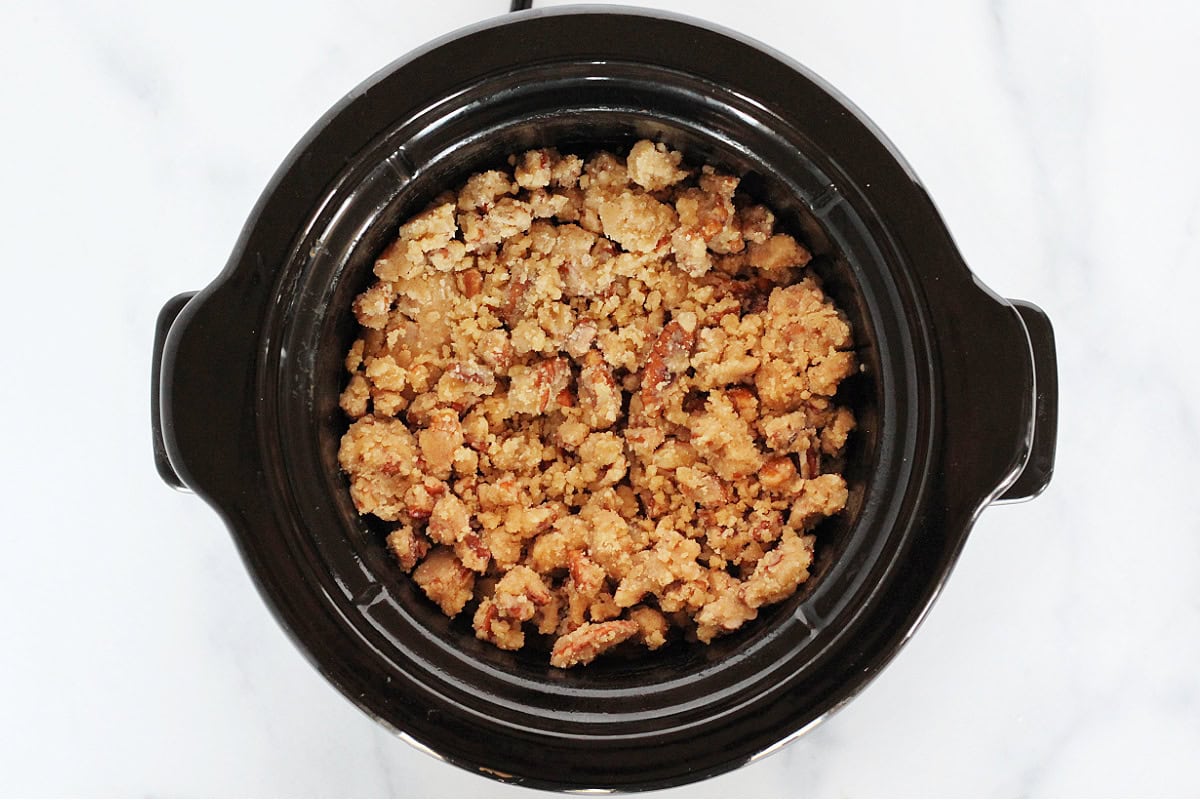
(520, 5)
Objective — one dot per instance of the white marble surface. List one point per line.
(1059, 139)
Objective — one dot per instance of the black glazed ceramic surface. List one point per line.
(956, 403)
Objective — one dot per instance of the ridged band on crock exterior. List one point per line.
(230, 340)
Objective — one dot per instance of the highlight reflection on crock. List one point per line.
(596, 400)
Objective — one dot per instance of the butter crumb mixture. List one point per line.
(595, 400)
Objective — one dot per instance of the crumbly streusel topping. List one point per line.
(594, 398)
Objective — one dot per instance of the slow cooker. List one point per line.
(956, 401)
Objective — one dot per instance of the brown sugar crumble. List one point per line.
(595, 399)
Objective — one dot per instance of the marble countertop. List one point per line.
(1058, 139)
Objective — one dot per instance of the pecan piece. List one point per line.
(534, 389)
(669, 357)
(599, 397)
(582, 645)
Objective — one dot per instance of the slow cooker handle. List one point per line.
(166, 318)
(202, 376)
(1034, 478)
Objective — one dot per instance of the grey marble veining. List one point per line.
(1058, 139)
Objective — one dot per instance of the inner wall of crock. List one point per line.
(397, 181)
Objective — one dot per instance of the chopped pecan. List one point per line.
(582, 645)
(599, 397)
(668, 358)
(408, 546)
(579, 341)
(445, 580)
(471, 282)
(439, 441)
(515, 304)
(778, 473)
(534, 389)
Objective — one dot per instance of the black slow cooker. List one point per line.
(956, 402)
